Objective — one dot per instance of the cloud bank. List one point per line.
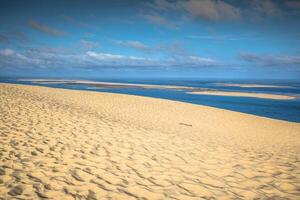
(49, 58)
(271, 60)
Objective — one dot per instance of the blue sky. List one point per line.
(159, 38)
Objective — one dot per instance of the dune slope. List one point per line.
(64, 144)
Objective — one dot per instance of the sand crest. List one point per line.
(64, 144)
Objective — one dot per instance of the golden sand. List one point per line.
(64, 144)
(245, 94)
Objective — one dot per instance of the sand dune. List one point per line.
(64, 144)
(245, 94)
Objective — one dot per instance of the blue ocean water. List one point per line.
(288, 110)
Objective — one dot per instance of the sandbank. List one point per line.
(245, 94)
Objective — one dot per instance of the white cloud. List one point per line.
(137, 44)
(89, 44)
(12, 58)
(201, 59)
(121, 60)
(6, 52)
(91, 59)
(271, 60)
(225, 37)
(104, 56)
(115, 60)
(133, 44)
(192, 61)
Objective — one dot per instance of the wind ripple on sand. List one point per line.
(61, 144)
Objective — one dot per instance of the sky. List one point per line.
(232, 39)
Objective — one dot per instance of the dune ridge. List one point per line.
(64, 144)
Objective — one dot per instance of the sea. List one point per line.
(288, 110)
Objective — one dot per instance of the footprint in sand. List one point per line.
(15, 191)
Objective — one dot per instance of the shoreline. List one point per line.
(163, 99)
(92, 89)
(62, 143)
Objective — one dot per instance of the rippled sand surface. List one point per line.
(64, 144)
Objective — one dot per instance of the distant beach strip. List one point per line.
(245, 94)
(189, 90)
(106, 85)
(252, 85)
